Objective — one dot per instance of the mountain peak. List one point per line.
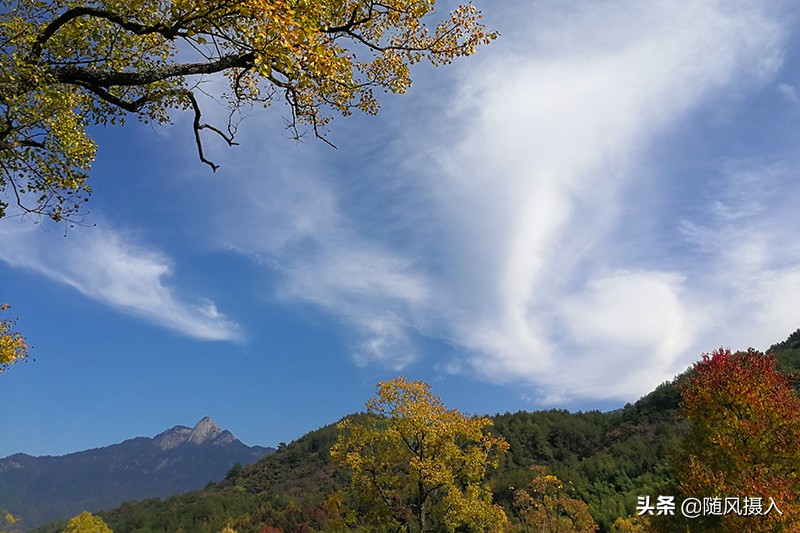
(173, 462)
(204, 430)
(172, 438)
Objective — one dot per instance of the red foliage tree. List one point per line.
(743, 441)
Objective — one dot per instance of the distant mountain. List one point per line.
(181, 459)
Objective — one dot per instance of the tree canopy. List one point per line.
(67, 64)
(544, 506)
(743, 440)
(87, 523)
(418, 466)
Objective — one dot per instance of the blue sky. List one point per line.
(566, 219)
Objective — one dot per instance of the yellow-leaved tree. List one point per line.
(7, 522)
(13, 347)
(87, 523)
(66, 64)
(545, 507)
(418, 466)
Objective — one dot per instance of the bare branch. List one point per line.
(197, 126)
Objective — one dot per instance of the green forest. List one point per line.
(728, 427)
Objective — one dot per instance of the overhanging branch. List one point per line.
(197, 126)
(169, 32)
(74, 75)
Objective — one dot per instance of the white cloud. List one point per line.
(368, 288)
(639, 321)
(548, 173)
(788, 92)
(289, 219)
(529, 243)
(112, 268)
(749, 246)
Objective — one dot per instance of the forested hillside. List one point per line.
(607, 460)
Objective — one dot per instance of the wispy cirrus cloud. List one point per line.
(548, 190)
(746, 238)
(525, 221)
(291, 220)
(789, 92)
(113, 268)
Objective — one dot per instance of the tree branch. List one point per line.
(21, 143)
(197, 126)
(133, 107)
(169, 32)
(83, 76)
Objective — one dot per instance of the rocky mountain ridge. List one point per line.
(181, 459)
(205, 431)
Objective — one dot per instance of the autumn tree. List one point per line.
(8, 522)
(67, 64)
(13, 347)
(632, 524)
(416, 465)
(743, 441)
(545, 507)
(87, 523)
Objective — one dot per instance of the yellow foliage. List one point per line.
(9, 522)
(65, 64)
(631, 524)
(545, 506)
(87, 523)
(418, 466)
(13, 347)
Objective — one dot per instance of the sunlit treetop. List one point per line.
(742, 440)
(87, 523)
(66, 64)
(418, 466)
